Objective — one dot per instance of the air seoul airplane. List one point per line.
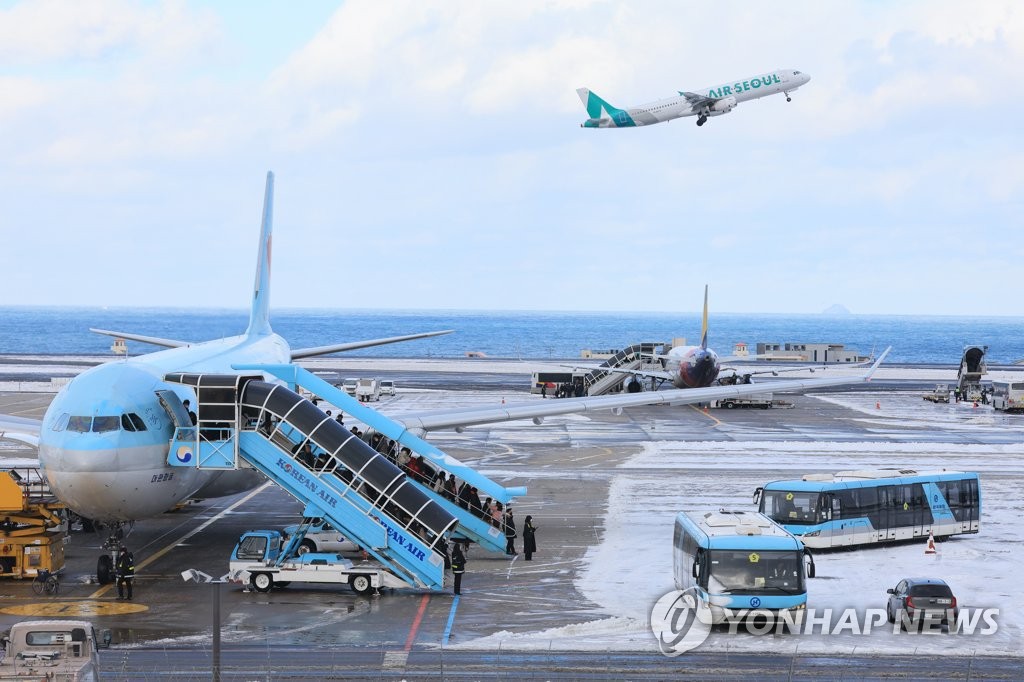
(704, 103)
(104, 440)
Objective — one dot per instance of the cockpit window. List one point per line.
(132, 422)
(61, 422)
(101, 424)
(79, 424)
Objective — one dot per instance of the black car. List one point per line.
(922, 600)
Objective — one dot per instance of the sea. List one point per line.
(515, 334)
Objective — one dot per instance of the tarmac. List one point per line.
(569, 466)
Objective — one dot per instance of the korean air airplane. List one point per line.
(704, 103)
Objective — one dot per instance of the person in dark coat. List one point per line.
(125, 570)
(458, 565)
(510, 532)
(529, 538)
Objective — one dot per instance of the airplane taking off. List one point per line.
(704, 103)
(104, 441)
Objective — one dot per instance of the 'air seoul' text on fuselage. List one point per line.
(752, 84)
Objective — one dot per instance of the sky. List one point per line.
(428, 155)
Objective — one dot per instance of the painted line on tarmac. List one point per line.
(707, 414)
(416, 622)
(451, 619)
(167, 548)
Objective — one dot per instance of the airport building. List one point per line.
(808, 352)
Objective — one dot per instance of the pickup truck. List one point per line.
(257, 561)
(65, 650)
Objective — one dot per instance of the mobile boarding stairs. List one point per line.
(245, 421)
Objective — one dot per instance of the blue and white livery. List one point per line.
(734, 562)
(865, 507)
(703, 103)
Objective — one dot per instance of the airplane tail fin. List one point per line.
(259, 317)
(595, 106)
(704, 322)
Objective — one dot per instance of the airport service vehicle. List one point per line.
(1008, 396)
(349, 385)
(865, 507)
(763, 402)
(918, 600)
(320, 536)
(940, 394)
(367, 390)
(52, 650)
(740, 561)
(262, 559)
(387, 387)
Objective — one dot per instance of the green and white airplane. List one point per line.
(703, 103)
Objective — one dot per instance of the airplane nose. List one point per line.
(807, 77)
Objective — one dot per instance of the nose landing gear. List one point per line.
(788, 98)
(105, 563)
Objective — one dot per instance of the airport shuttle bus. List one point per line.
(1008, 396)
(864, 507)
(740, 561)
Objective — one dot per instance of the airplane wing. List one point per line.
(698, 102)
(20, 429)
(155, 340)
(537, 410)
(354, 345)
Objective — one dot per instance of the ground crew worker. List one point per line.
(125, 569)
(458, 565)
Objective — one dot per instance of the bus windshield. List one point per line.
(755, 572)
(790, 507)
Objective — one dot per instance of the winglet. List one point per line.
(259, 318)
(871, 372)
(704, 322)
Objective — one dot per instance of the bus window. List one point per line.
(736, 571)
(790, 507)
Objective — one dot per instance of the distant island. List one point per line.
(836, 309)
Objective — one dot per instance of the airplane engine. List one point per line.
(722, 106)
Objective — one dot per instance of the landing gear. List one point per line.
(788, 98)
(104, 569)
(105, 563)
(701, 120)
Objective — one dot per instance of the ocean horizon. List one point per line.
(915, 339)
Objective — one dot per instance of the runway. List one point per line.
(600, 489)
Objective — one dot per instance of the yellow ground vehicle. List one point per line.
(32, 527)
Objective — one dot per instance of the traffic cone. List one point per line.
(930, 547)
(878, 405)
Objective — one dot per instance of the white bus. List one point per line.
(740, 561)
(1008, 396)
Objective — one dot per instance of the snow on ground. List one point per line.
(632, 566)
